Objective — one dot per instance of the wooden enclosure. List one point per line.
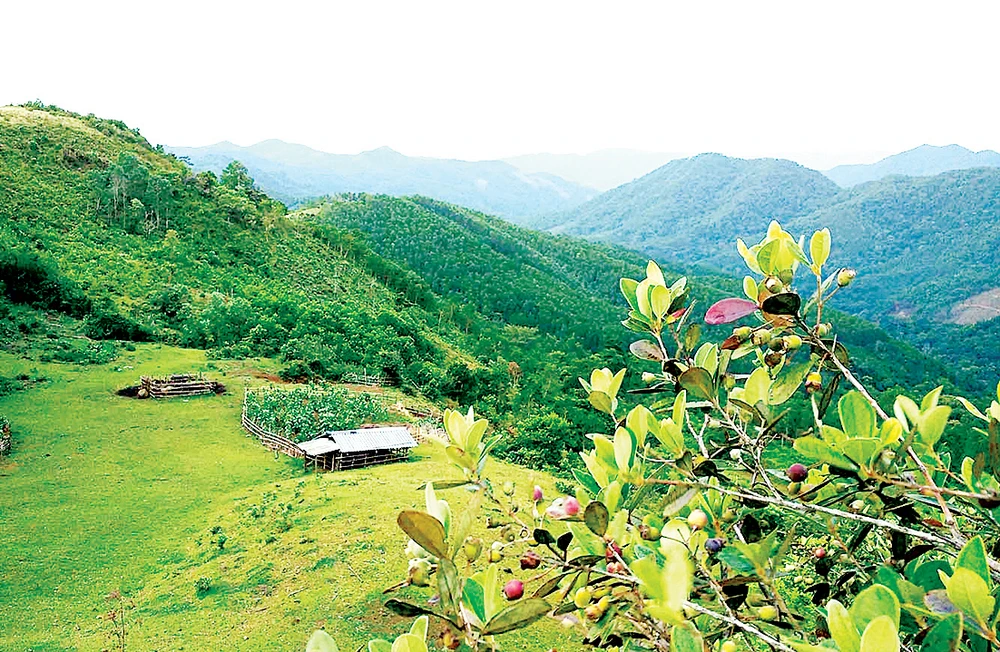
(351, 449)
(178, 385)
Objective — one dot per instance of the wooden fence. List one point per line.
(269, 439)
(6, 440)
(178, 385)
(366, 379)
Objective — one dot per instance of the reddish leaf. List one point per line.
(729, 310)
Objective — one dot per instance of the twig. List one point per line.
(736, 622)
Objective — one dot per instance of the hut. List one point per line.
(338, 450)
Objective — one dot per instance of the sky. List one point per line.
(819, 82)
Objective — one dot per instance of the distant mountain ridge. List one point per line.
(923, 161)
(294, 173)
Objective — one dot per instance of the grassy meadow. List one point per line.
(218, 543)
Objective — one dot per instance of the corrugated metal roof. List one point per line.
(367, 439)
(319, 446)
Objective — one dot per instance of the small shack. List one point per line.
(338, 450)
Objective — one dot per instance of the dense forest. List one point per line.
(127, 243)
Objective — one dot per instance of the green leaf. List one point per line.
(880, 636)
(736, 560)
(932, 423)
(518, 615)
(857, 416)
(821, 451)
(601, 402)
(320, 641)
(472, 596)
(750, 288)
(945, 636)
(973, 557)
(873, 602)
(408, 643)
(786, 303)
(748, 256)
(819, 247)
(685, 638)
(971, 595)
(677, 499)
(646, 350)
(379, 645)
(596, 517)
(419, 628)
(789, 380)
(625, 445)
(449, 585)
(628, 287)
(654, 273)
(426, 530)
(659, 300)
(698, 381)
(842, 627)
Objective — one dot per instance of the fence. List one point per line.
(178, 385)
(268, 439)
(6, 441)
(366, 379)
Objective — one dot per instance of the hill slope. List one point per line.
(923, 161)
(293, 173)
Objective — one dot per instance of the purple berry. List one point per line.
(797, 472)
(714, 545)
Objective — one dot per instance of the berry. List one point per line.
(513, 590)
(794, 488)
(714, 545)
(797, 472)
(419, 573)
(593, 612)
(536, 494)
(761, 337)
(697, 519)
(582, 597)
(604, 603)
(508, 487)
(473, 548)
(792, 342)
(819, 553)
(571, 506)
(728, 646)
(845, 276)
(814, 382)
(773, 359)
(989, 503)
(530, 560)
(824, 329)
(857, 505)
(742, 333)
(449, 641)
(495, 556)
(613, 551)
(767, 612)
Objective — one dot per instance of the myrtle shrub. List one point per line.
(686, 533)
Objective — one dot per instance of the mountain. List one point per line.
(925, 246)
(923, 161)
(603, 169)
(682, 210)
(293, 173)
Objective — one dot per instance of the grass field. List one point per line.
(105, 493)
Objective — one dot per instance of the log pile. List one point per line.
(5, 439)
(178, 385)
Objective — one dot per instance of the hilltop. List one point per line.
(604, 169)
(294, 173)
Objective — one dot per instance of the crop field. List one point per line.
(214, 542)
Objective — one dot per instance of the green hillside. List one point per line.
(925, 246)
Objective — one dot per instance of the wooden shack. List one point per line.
(338, 450)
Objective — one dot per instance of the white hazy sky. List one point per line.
(820, 82)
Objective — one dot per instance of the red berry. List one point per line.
(530, 560)
(819, 553)
(572, 506)
(513, 590)
(797, 472)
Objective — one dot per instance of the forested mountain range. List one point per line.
(925, 246)
(923, 161)
(114, 240)
(292, 173)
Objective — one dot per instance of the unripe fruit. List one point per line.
(819, 553)
(776, 344)
(743, 332)
(473, 547)
(728, 646)
(786, 276)
(857, 505)
(536, 494)
(714, 545)
(761, 337)
(648, 377)
(767, 612)
(582, 597)
(593, 612)
(508, 487)
(571, 505)
(697, 519)
(792, 342)
(794, 488)
(419, 573)
(513, 590)
(449, 641)
(814, 382)
(602, 591)
(845, 276)
(495, 556)
(797, 472)
(530, 560)
(729, 516)
(604, 603)
(824, 329)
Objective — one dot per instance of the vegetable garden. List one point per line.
(302, 413)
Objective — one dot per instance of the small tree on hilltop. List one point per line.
(696, 526)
